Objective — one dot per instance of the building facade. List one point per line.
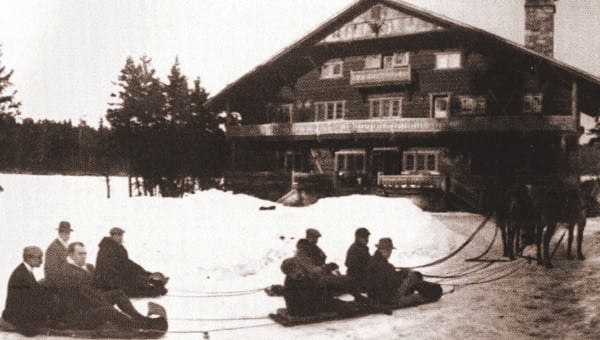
(393, 99)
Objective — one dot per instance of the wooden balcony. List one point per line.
(379, 77)
(410, 182)
(336, 129)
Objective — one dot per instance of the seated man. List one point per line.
(56, 254)
(85, 307)
(313, 251)
(386, 286)
(26, 300)
(357, 259)
(114, 269)
(310, 289)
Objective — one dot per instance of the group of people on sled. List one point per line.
(311, 284)
(76, 295)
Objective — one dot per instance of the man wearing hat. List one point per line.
(357, 258)
(114, 269)
(386, 286)
(313, 251)
(56, 254)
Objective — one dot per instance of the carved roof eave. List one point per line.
(299, 49)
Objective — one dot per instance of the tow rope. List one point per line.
(456, 251)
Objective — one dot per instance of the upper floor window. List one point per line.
(447, 60)
(440, 105)
(332, 69)
(286, 112)
(375, 61)
(532, 103)
(385, 107)
(471, 105)
(330, 110)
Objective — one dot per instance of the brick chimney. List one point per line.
(539, 26)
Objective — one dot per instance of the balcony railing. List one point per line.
(384, 127)
(377, 77)
(410, 182)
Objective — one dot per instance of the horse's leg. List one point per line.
(580, 228)
(510, 240)
(551, 227)
(539, 231)
(502, 226)
(570, 227)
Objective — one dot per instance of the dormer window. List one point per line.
(332, 69)
(532, 103)
(447, 60)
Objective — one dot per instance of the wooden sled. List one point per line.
(106, 331)
(344, 310)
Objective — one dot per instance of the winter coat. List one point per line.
(77, 292)
(114, 269)
(55, 260)
(26, 302)
(357, 261)
(316, 254)
(383, 280)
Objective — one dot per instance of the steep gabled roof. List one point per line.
(591, 83)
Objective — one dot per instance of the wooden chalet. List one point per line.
(390, 98)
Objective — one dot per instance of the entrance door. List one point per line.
(387, 161)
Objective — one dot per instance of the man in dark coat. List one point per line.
(313, 250)
(386, 286)
(357, 258)
(114, 269)
(26, 301)
(85, 307)
(56, 254)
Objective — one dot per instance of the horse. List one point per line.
(514, 218)
(553, 205)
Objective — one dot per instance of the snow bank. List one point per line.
(210, 241)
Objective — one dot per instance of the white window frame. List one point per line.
(432, 103)
(477, 103)
(406, 58)
(373, 62)
(322, 110)
(425, 154)
(443, 60)
(530, 105)
(345, 154)
(328, 69)
(289, 109)
(289, 161)
(376, 104)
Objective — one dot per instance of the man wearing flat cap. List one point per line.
(114, 270)
(386, 286)
(357, 258)
(56, 254)
(316, 254)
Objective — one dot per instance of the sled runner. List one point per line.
(346, 310)
(107, 330)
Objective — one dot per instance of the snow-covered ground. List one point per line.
(215, 242)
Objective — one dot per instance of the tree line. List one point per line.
(157, 133)
(168, 138)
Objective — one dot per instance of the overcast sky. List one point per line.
(66, 53)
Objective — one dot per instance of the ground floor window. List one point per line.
(293, 161)
(350, 162)
(421, 160)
